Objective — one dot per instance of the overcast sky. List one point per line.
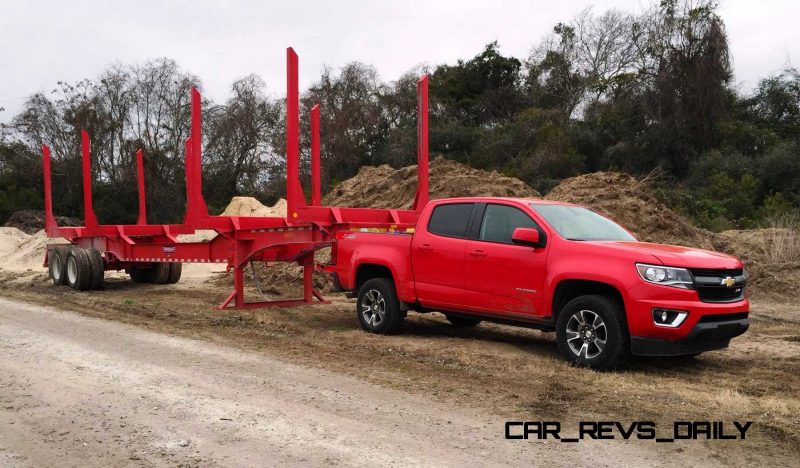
(43, 42)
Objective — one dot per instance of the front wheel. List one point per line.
(590, 332)
(378, 308)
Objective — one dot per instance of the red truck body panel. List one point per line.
(519, 282)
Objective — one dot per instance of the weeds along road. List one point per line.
(82, 391)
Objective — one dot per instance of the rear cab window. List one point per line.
(450, 220)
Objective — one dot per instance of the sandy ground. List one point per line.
(80, 391)
(132, 395)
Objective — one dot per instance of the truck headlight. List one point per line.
(666, 276)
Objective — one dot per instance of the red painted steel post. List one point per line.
(89, 219)
(316, 188)
(295, 198)
(197, 204)
(308, 282)
(238, 286)
(421, 197)
(187, 148)
(49, 219)
(142, 219)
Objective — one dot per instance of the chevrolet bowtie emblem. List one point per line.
(729, 282)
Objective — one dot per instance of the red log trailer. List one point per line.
(152, 253)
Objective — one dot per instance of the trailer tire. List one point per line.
(378, 308)
(175, 269)
(57, 265)
(98, 268)
(141, 275)
(79, 269)
(160, 273)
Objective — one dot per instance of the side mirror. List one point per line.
(526, 236)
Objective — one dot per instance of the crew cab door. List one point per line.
(437, 255)
(504, 278)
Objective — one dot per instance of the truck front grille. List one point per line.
(711, 287)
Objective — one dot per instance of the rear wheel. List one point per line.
(175, 269)
(590, 332)
(140, 275)
(98, 268)
(160, 273)
(79, 270)
(462, 322)
(378, 308)
(56, 265)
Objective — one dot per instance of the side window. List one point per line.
(499, 222)
(450, 220)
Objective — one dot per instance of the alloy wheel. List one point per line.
(373, 308)
(586, 334)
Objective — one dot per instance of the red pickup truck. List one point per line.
(550, 266)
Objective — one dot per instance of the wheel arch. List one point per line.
(365, 271)
(568, 289)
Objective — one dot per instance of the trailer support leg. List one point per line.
(309, 293)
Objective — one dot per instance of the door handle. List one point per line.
(478, 253)
(425, 247)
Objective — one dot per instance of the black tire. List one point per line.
(79, 270)
(462, 322)
(141, 275)
(57, 265)
(160, 273)
(591, 332)
(375, 296)
(175, 269)
(98, 268)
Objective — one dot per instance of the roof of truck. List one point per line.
(514, 199)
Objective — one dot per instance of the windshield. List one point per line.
(581, 224)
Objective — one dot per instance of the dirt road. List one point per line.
(77, 390)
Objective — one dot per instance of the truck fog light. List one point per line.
(669, 318)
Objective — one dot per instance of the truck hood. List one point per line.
(677, 256)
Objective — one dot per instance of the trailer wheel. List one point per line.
(79, 270)
(98, 268)
(160, 273)
(57, 265)
(141, 275)
(377, 307)
(175, 269)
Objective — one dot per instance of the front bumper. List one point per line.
(711, 332)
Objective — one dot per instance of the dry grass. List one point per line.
(782, 241)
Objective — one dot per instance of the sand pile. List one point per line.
(31, 221)
(22, 252)
(249, 206)
(632, 204)
(385, 187)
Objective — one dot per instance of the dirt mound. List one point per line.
(772, 258)
(632, 204)
(771, 245)
(385, 187)
(21, 252)
(31, 221)
(249, 206)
